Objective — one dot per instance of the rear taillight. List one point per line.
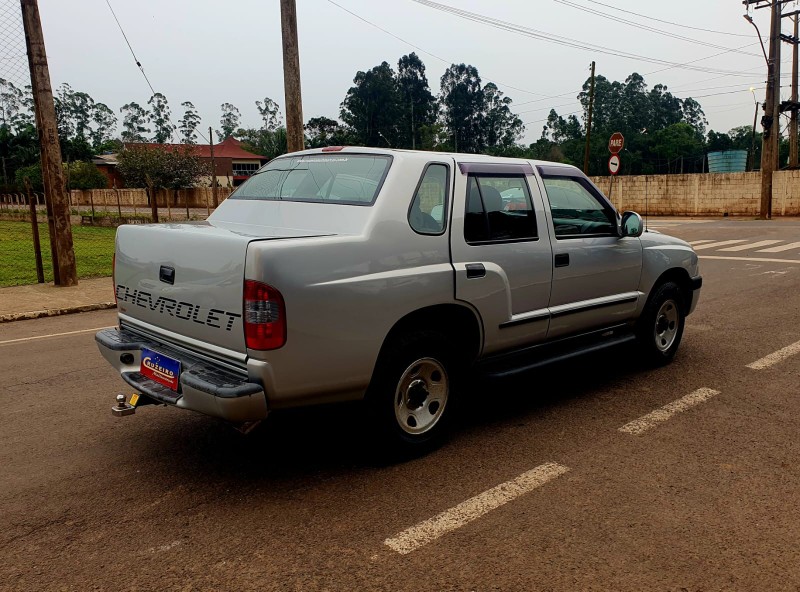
(264, 316)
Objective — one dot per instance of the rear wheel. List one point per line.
(661, 325)
(410, 399)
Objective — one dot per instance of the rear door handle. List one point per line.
(475, 270)
(562, 260)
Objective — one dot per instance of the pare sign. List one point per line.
(616, 143)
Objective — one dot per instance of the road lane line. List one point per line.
(755, 245)
(652, 419)
(756, 259)
(720, 244)
(782, 248)
(23, 339)
(425, 532)
(775, 357)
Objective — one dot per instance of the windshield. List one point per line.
(353, 179)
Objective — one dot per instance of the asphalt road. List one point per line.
(705, 497)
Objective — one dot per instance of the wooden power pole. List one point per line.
(295, 138)
(64, 270)
(214, 196)
(771, 120)
(589, 126)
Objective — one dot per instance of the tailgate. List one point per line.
(186, 279)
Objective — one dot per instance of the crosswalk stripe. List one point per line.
(781, 248)
(748, 246)
(719, 244)
(705, 240)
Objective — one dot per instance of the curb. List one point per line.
(54, 312)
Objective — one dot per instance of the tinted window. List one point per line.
(335, 178)
(428, 209)
(498, 209)
(576, 212)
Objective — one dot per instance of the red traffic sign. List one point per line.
(613, 164)
(616, 143)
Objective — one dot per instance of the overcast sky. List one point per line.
(210, 52)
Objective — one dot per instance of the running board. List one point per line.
(498, 369)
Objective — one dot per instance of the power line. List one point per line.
(138, 63)
(418, 48)
(565, 41)
(626, 11)
(656, 30)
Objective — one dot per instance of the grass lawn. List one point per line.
(94, 249)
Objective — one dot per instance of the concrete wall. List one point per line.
(734, 194)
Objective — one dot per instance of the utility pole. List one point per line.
(214, 196)
(64, 270)
(589, 126)
(792, 105)
(753, 139)
(295, 138)
(771, 120)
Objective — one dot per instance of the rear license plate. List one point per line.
(163, 369)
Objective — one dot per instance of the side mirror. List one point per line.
(631, 225)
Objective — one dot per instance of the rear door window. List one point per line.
(353, 179)
(498, 209)
(429, 207)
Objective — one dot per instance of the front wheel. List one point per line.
(661, 325)
(410, 399)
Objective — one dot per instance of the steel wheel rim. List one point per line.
(421, 396)
(666, 326)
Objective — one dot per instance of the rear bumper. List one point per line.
(204, 387)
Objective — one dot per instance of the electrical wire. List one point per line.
(566, 41)
(138, 63)
(656, 30)
(626, 11)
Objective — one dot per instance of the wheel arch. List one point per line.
(680, 276)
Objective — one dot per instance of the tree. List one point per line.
(80, 174)
(502, 129)
(323, 131)
(189, 123)
(229, 122)
(270, 114)
(462, 101)
(371, 108)
(133, 123)
(266, 143)
(418, 105)
(105, 122)
(159, 116)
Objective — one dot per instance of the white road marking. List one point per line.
(652, 419)
(700, 242)
(782, 248)
(757, 259)
(23, 339)
(719, 244)
(775, 357)
(756, 245)
(423, 533)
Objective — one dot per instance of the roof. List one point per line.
(230, 147)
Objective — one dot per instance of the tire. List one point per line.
(660, 328)
(410, 399)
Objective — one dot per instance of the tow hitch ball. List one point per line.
(122, 408)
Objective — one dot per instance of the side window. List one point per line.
(576, 212)
(498, 209)
(427, 213)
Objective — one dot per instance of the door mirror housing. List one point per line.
(631, 224)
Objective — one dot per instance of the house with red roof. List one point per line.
(232, 163)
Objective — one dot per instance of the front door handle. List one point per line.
(475, 270)
(562, 260)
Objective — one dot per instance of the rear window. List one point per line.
(353, 179)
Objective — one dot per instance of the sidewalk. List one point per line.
(46, 300)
